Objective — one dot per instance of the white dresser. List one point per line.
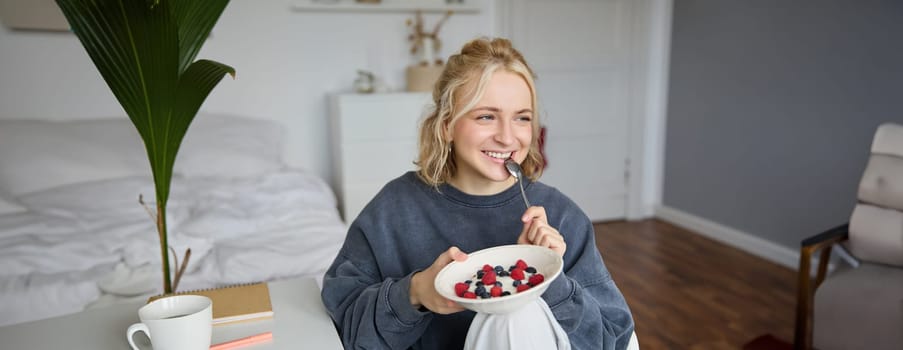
(374, 140)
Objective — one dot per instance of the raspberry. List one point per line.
(521, 264)
(489, 277)
(517, 274)
(496, 291)
(469, 295)
(536, 279)
(460, 288)
(522, 288)
(487, 268)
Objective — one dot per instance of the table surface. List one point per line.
(299, 320)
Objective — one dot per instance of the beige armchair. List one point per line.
(859, 305)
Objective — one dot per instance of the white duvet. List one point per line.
(91, 243)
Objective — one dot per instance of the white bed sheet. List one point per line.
(91, 243)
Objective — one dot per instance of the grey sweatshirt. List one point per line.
(409, 223)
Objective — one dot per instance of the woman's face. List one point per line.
(497, 128)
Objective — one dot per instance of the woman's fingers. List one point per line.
(456, 254)
(534, 212)
(532, 229)
(538, 232)
(532, 218)
(448, 308)
(452, 254)
(551, 241)
(423, 290)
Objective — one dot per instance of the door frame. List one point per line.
(650, 50)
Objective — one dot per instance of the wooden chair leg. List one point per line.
(802, 338)
(803, 329)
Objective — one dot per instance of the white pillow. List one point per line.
(219, 145)
(37, 155)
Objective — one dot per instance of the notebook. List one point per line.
(238, 303)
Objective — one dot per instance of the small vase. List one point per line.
(422, 78)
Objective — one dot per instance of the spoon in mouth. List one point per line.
(518, 174)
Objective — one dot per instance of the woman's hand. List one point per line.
(538, 232)
(423, 288)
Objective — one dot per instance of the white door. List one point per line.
(579, 52)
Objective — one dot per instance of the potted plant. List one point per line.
(145, 51)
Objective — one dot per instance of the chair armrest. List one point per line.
(834, 235)
(823, 242)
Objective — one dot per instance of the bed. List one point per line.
(74, 236)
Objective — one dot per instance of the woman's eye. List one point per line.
(485, 117)
(524, 118)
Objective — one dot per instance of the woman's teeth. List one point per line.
(498, 155)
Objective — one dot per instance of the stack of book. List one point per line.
(238, 303)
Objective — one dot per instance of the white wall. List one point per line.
(286, 61)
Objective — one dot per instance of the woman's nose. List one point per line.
(504, 134)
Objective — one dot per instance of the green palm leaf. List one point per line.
(145, 52)
(195, 19)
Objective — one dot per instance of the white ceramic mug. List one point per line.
(180, 322)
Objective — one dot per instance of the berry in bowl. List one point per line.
(499, 280)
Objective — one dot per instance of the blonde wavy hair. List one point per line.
(457, 91)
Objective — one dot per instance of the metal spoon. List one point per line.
(518, 174)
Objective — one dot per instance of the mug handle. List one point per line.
(137, 327)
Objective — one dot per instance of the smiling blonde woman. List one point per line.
(380, 290)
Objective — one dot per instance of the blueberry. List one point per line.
(530, 269)
(480, 290)
(479, 283)
(480, 274)
(506, 293)
(516, 283)
(468, 282)
(498, 284)
(503, 273)
(499, 268)
(511, 267)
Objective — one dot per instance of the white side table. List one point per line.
(299, 321)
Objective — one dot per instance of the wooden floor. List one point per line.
(687, 291)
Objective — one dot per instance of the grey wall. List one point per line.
(772, 107)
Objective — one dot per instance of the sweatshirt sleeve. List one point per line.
(584, 298)
(369, 311)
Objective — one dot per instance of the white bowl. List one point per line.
(545, 260)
